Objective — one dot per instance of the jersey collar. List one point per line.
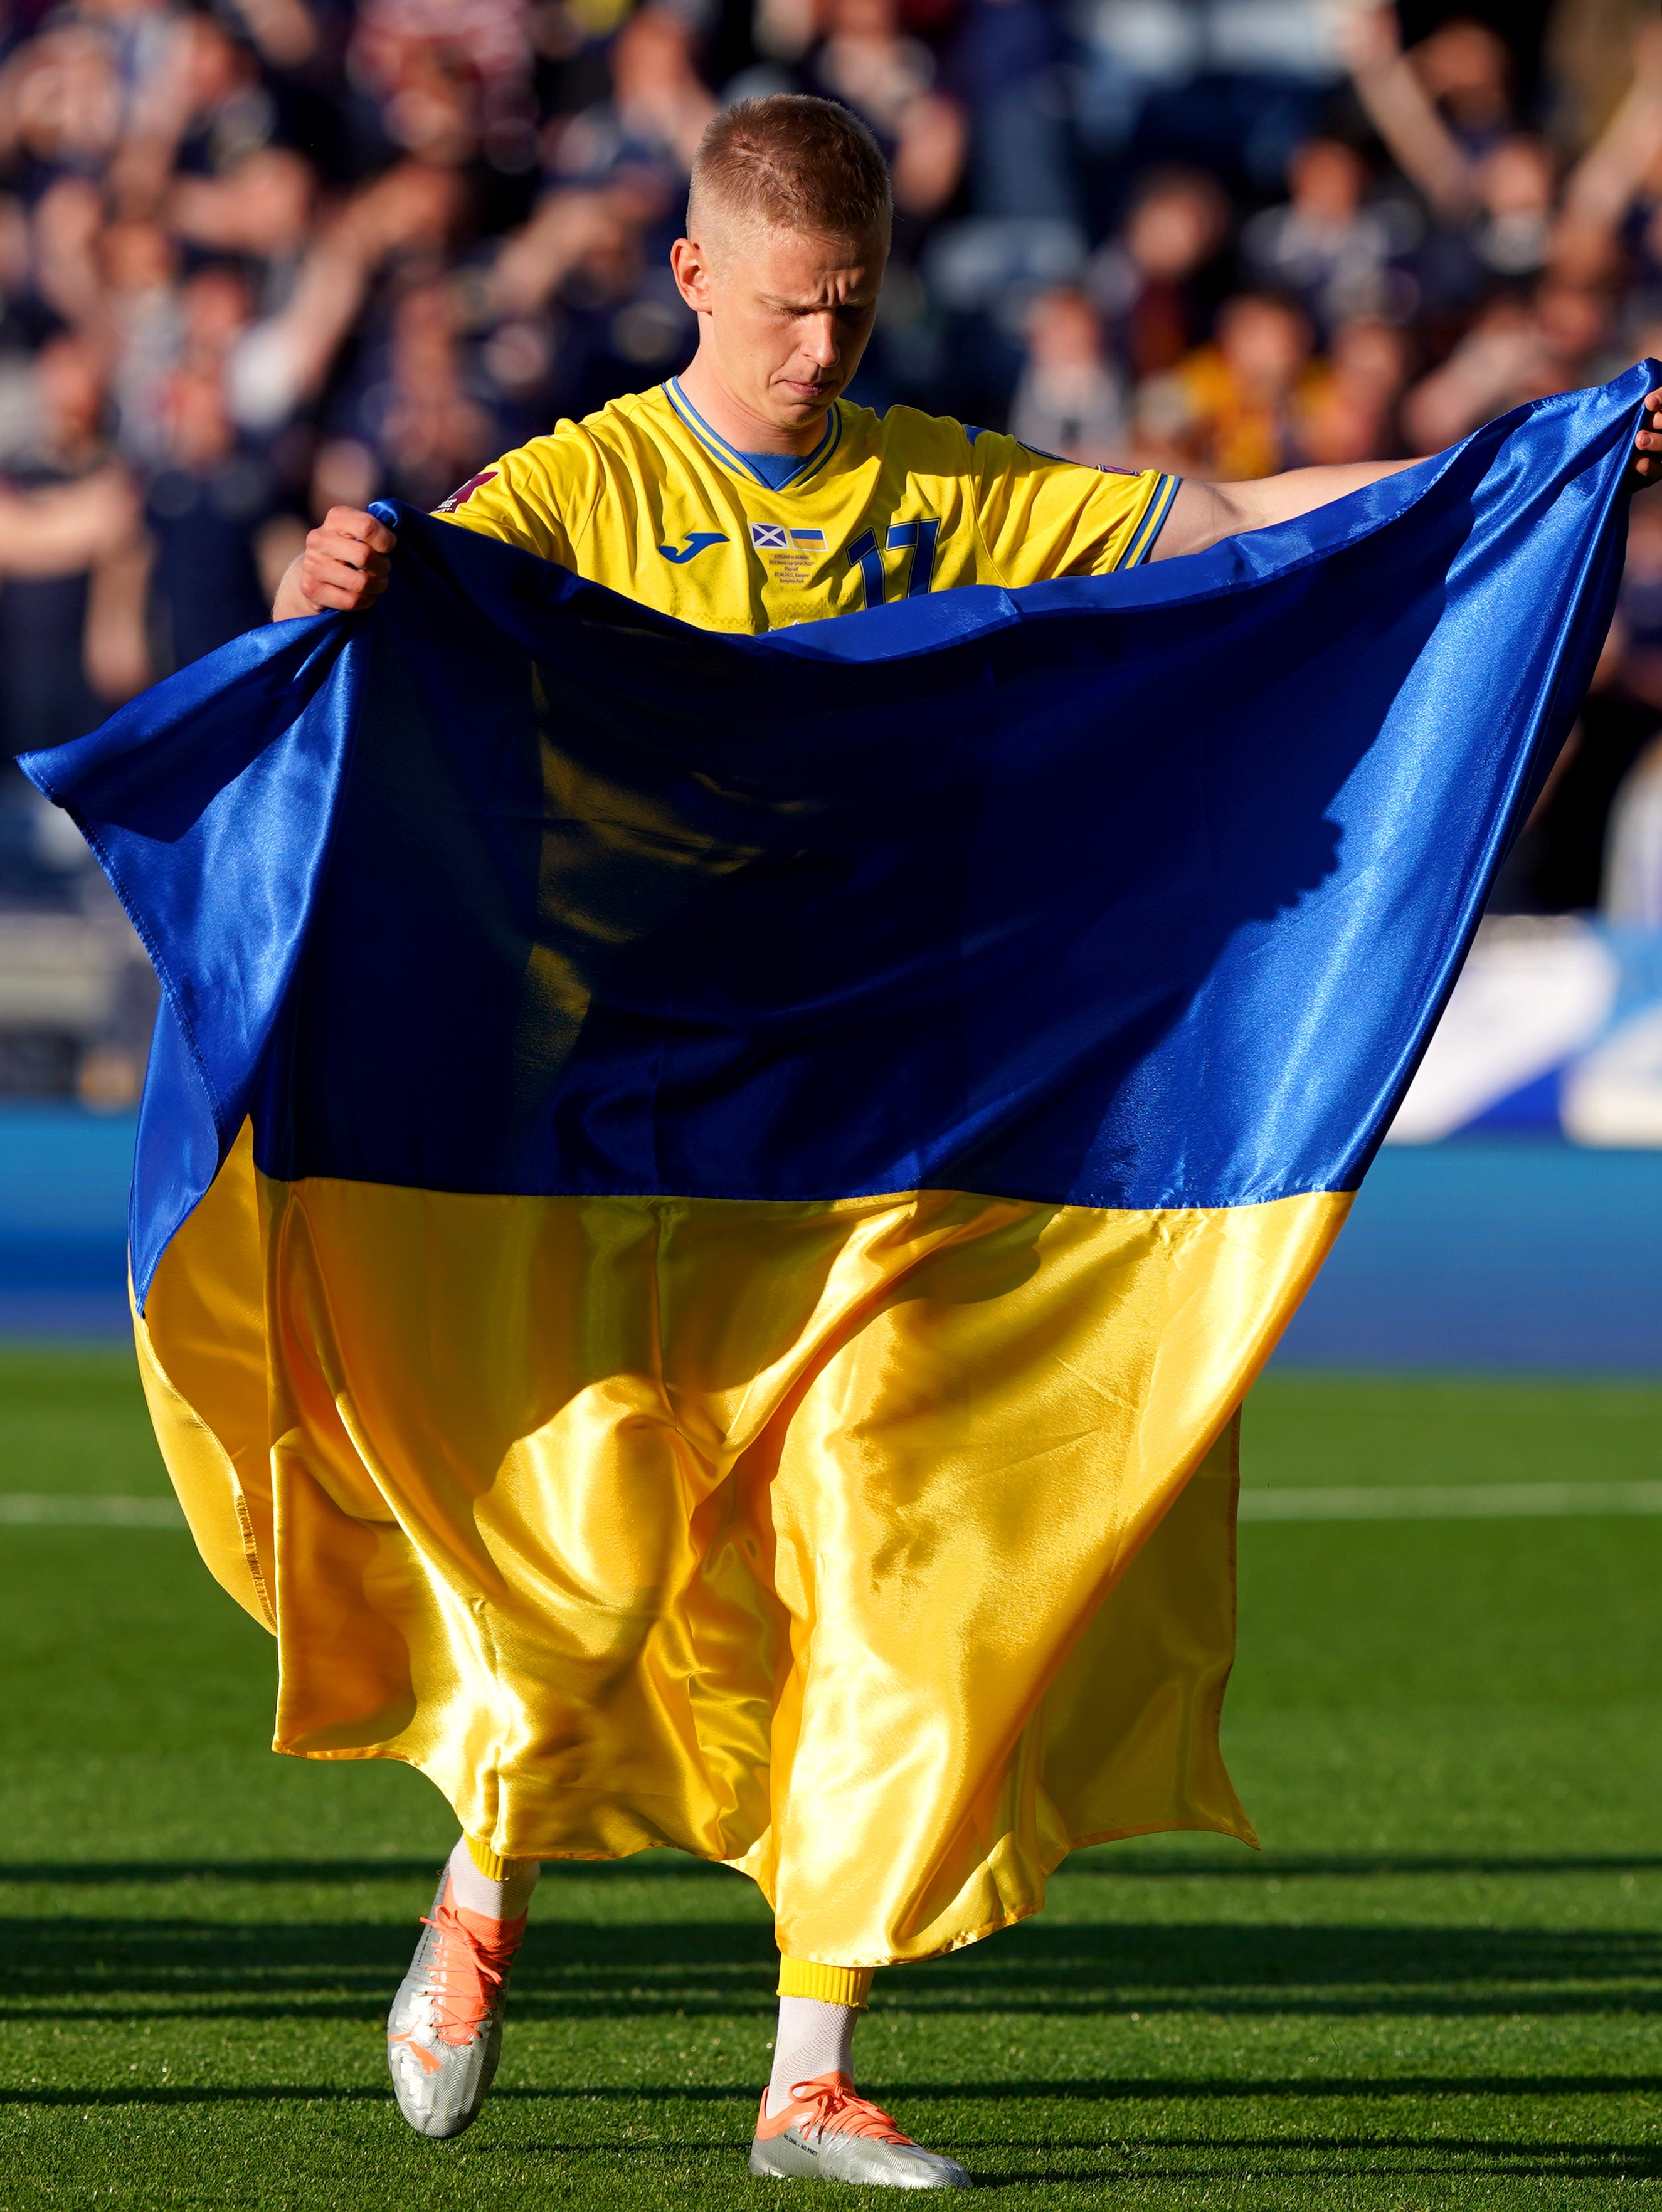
(811, 464)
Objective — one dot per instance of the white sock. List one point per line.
(496, 1900)
(814, 2039)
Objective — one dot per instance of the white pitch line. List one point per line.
(1476, 1501)
(18, 1510)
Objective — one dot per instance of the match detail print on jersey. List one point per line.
(789, 555)
(644, 498)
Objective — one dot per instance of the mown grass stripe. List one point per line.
(1476, 1501)
(1484, 1501)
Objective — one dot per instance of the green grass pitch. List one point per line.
(1440, 1983)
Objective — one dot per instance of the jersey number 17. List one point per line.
(915, 540)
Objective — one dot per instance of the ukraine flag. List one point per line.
(704, 1207)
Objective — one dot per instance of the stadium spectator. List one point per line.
(1070, 400)
(1233, 409)
(1519, 349)
(656, 112)
(1147, 283)
(1325, 246)
(1351, 411)
(72, 639)
(1006, 68)
(259, 259)
(209, 506)
(1444, 114)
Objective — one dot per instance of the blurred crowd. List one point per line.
(258, 256)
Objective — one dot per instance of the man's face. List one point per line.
(786, 315)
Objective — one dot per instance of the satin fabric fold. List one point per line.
(779, 1533)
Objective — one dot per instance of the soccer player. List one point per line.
(743, 496)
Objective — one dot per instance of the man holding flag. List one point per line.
(863, 1521)
(744, 495)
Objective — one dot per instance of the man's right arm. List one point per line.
(345, 566)
(1203, 514)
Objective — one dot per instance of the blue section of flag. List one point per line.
(1140, 890)
(769, 537)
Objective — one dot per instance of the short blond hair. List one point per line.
(791, 163)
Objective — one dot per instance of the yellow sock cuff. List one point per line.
(844, 1985)
(489, 1864)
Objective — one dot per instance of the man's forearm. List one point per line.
(1298, 491)
(1201, 513)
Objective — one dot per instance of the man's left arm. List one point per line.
(1203, 513)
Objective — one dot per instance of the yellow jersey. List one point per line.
(645, 498)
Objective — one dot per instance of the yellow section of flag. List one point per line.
(860, 1544)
